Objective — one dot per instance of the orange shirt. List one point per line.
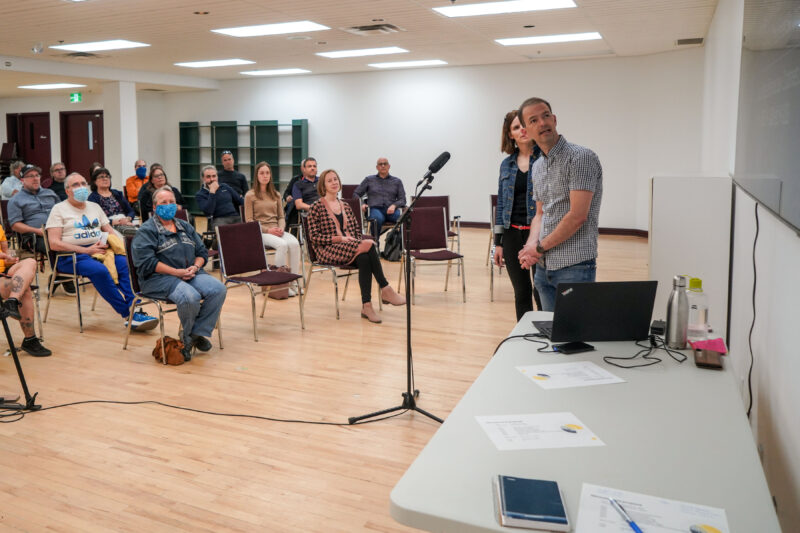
(2, 239)
(133, 185)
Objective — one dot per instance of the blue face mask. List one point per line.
(141, 172)
(166, 211)
(81, 194)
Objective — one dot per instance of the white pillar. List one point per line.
(120, 130)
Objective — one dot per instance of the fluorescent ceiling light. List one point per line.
(495, 8)
(115, 44)
(275, 72)
(364, 52)
(272, 29)
(215, 63)
(409, 64)
(544, 39)
(44, 86)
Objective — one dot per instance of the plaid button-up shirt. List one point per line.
(382, 192)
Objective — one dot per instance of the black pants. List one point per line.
(369, 264)
(522, 280)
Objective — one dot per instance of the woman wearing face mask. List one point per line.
(112, 201)
(169, 256)
(158, 179)
(337, 239)
(515, 210)
(263, 204)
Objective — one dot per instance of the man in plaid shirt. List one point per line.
(567, 187)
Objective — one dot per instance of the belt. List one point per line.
(520, 227)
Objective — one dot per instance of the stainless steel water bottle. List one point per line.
(677, 314)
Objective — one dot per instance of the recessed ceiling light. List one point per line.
(544, 39)
(215, 63)
(275, 72)
(115, 44)
(409, 64)
(45, 86)
(272, 29)
(496, 8)
(364, 52)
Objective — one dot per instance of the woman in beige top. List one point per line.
(263, 204)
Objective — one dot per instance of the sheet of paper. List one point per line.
(651, 513)
(565, 375)
(536, 431)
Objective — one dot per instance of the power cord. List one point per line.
(19, 415)
(646, 353)
(752, 324)
(531, 337)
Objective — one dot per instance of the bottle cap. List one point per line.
(679, 281)
(695, 284)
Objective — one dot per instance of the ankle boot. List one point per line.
(390, 296)
(369, 313)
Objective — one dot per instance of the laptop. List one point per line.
(601, 311)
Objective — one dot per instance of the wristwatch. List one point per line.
(539, 249)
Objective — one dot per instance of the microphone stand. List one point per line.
(30, 401)
(411, 394)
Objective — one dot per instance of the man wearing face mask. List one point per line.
(134, 183)
(169, 256)
(76, 225)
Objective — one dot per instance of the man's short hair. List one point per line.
(534, 100)
(207, 167)
(160, 190)
(306, 160)
(54, 165)
(15, 165)
(66, 180)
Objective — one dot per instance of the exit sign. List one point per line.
(75, 98)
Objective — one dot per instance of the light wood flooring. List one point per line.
(105, 467)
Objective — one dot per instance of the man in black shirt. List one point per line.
(229, 176)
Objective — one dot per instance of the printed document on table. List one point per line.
(565, 375)
(651, 513)
(536, 431)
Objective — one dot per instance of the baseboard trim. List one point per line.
(603, 231)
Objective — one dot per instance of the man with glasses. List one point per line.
(135, 183)
(12, 184)
(229, 176)
(58, 171)
(385, 194)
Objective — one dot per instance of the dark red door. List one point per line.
(34, 141)
(81, 140)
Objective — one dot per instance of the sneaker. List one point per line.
(35, 348)
(69, 288)
(292, 293)
(201, 343)
(11, 306)
(142, 322)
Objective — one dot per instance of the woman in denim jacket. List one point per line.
(515, 210)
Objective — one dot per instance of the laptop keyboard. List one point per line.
(545, 327)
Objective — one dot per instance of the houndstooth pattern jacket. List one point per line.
(322, 228)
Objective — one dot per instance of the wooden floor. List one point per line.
(104, 467)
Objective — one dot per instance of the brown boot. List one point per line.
(369, 313)
(390, 296)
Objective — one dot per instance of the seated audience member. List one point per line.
(385, 193)
(230, 176)
(76, 225)
(304, 191)
(169, 256)
(336, 237)
(135, 183)
(15, 288)
(158, 179)
(263, 204)
(58, 171)
(28, 210)
(12, 184)
(217, 201)
(112, 202)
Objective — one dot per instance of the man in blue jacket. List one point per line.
(218, 201)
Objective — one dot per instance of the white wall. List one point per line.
(639, 115)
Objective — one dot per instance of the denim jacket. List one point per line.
(505, 193)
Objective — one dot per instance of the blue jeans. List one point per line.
(547, 281)
(380, 217)
(119, 296)
(199, 302)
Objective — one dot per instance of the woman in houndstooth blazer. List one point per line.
(337, 240)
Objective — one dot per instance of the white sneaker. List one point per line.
(292, 293)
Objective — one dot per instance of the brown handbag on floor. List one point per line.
(279, 292)
(173, 349)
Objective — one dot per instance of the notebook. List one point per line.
(601, 311)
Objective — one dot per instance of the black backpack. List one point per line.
(393, 246)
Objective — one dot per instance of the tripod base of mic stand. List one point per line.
(30, 405)
(409, 404)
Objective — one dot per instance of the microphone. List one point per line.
(436, 166)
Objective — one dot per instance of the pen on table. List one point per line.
(624, 515)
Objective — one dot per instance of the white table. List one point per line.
(672, 430)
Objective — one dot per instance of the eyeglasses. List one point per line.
(59, 169)
(383, 164)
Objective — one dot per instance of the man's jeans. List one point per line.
(378, 214)
(547, 281)
(199, 302)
